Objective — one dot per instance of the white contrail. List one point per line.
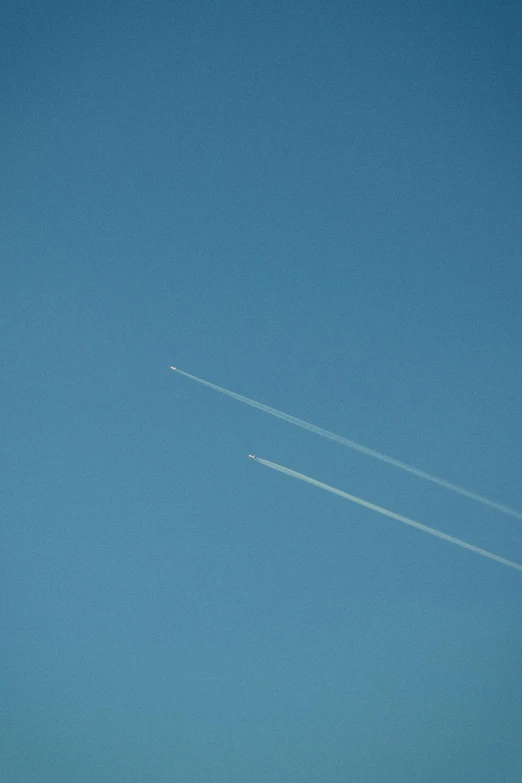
(385, 512)
(356, 446)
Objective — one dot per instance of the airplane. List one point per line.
(251, 456)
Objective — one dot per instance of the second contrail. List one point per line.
(384, 511)
(356, 446)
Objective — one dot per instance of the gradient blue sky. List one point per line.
(316, 205)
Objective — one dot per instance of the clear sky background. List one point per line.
(316, 205)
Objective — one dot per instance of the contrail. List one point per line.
(356, 446)
(385, 512)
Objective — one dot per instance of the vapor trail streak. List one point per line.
(386, 513)
(356, 446)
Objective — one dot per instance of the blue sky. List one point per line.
(315, 205)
